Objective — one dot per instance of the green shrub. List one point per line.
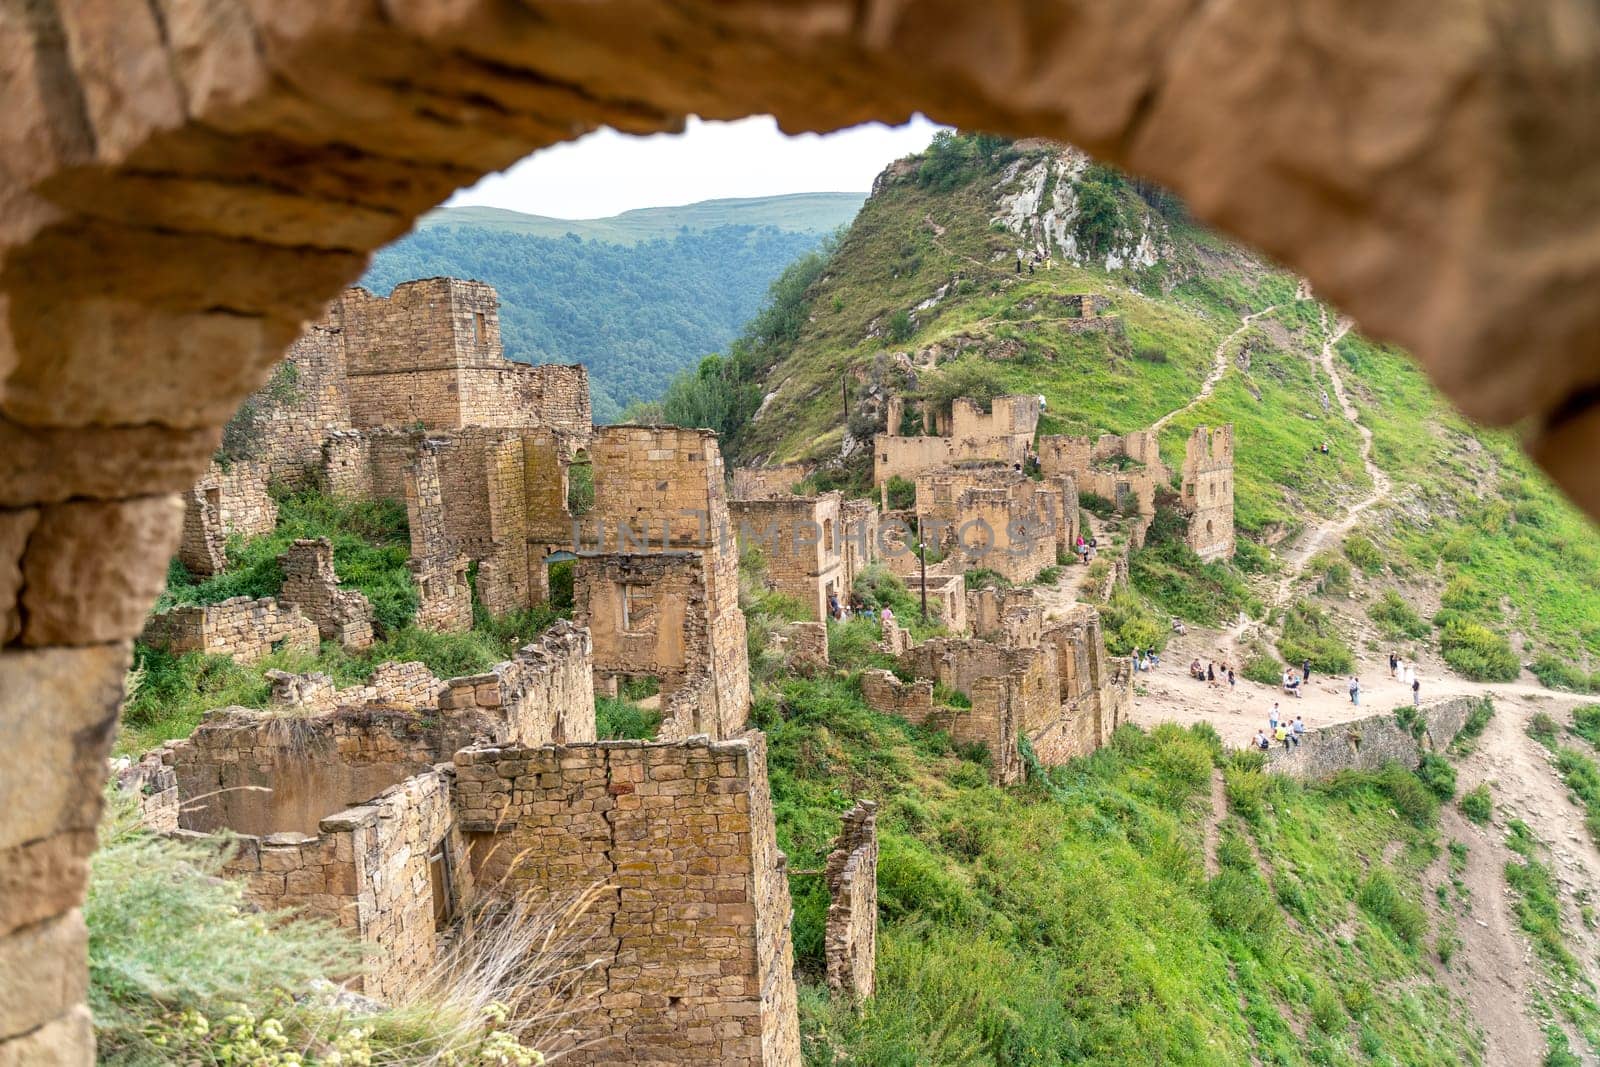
(1096, 505)
(1048, 576)
(1382, 899)
(1327, 1012)
(1128, 624)
(1477, 805)
(1438, 775)
(1410, 797)
(1246, 790)
(1396, 618)
(1181, 767)
(1543, 729)
(1478, 652)
(1234, 851)
(1364, 554)
(902, 493)
(1557, 673)
(623, 720)
(1174, 579)
(1586, 723)
(1477, 721)
(1261, 668)
(1309, 633)
(1241, 904)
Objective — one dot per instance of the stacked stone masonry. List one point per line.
(248, 630)
(687, 945)
(224, 502)
(1370, 744)
(769, 483)
(444, 598)
(801, 540)
(343, 616)
(182, 195)
(1004, 435)
(851, 934)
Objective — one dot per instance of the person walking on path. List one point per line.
(1305, 672)
(1298, 730)
(1272, 716)
(1394, 666)
(1230, 679)
(1355, 690)
(1416, 692)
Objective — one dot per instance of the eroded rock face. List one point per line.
(183, 184)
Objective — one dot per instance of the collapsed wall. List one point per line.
(850, 939)
(801, 540)
(248, 630)
(343, 616)
(1004, 435)
(1207, 491)
(686, 949)
(444, 599)
(223, 503)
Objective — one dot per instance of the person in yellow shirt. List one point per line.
(1281, 734)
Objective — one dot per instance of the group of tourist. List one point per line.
(1144, 661)
(1086, 550)
(1406, 673)
(1280, 729)
(1212, 674)
(856, 609)
(1294, 680)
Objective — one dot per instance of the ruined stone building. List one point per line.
(1004, 435)
(1127, 470)
(414, 816)
(1053, 684)
(998, 518)
(814, 547)
(657, 576)
(355, 394)
(1207, 491)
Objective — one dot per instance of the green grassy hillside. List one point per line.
(815, 213)
(922, 297)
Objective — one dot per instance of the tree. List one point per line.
(1099, 217)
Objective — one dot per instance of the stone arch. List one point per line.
(182, 185)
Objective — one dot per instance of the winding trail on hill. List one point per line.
(1329, 532)
(1219, 366)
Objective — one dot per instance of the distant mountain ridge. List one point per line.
(636, 297)
(818, 213)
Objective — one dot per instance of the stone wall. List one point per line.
(310, 584)
(850, 940)
(390, 870)
(444, 599)
(246, 629)
(1207, 491)
(401, 685)
(884, 692)
(947, 598)
(220, 504)
(970, 435)
(257, 773)
(1124, 468)
(1096, 688)
(769, 483)
(1010, 617)
(860, 520)
(687, 944)
(801, 540)
(1371, 743)
(653, 615)
(803, 646)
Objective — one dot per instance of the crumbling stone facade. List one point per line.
(426, 357)
(1207, 491)
(1125, 469)
(343, 616)
(687, 945)
(1003, 435)
(850, 940)
(802, 542)
(444, 599)
(222, 503)
(769, 483)
(803, 646)
(998, 518)
(666, 605)
(248, 630)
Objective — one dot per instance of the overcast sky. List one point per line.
(608, 172)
